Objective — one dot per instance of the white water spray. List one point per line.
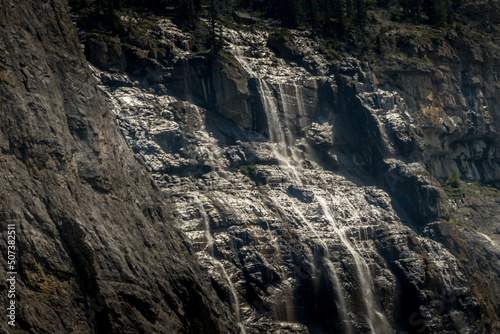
(374, 317)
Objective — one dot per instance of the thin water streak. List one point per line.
(234, 297)
(375, 318)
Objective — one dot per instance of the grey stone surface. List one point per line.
(304, 187)
(342, 227)
(97, 248)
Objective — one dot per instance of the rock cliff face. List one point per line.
(97, 249)
(304, 186)
(309, 189)
(452, 97)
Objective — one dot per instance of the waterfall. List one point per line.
(282, 143)
(276, 133)
(208, 234)
(300, 104)
(284, 303)
(210, 241)
(287, 111)
(374, 317)
(234, 297)
(340, 301)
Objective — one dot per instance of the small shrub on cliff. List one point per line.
(453, 187)
(458, 222)
(249, 170)
(492, 192)
(428, 172)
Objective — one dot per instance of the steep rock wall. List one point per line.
(321, 215)
(451, 94)
(97, 250)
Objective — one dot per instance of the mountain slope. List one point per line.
(319, 189)
(306, 185)
(97, 251)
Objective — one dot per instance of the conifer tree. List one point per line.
(292, 13)
(438, 11)
(360, 8)
(313, 15)
(412, 9)
(185, 9)
(416, 10)
(106, 9)
(349, 8)
(215, 42)
(340, 14)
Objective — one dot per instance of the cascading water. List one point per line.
(300, 104)
(234, 297)
(232, 290)
(341, 300)
(308, 253)
(208, 234)
(289, 103)
(374, 317)
(282, 141)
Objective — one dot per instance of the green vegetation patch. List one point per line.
(458, 222)
(428, 172)
(248, 170)
(487, 190)
(454, 187)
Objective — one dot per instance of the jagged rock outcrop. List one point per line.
(316, 212)
(421, 196)
(307, 188)
(450, 95)
(215, 83)
(97, 249)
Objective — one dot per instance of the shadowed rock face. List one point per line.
(300, 185)
(97, 248)
(321, 214)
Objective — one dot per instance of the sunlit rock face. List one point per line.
(304, 186)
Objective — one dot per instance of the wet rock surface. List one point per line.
(450, 103)
(318, 211)
(306, 190)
